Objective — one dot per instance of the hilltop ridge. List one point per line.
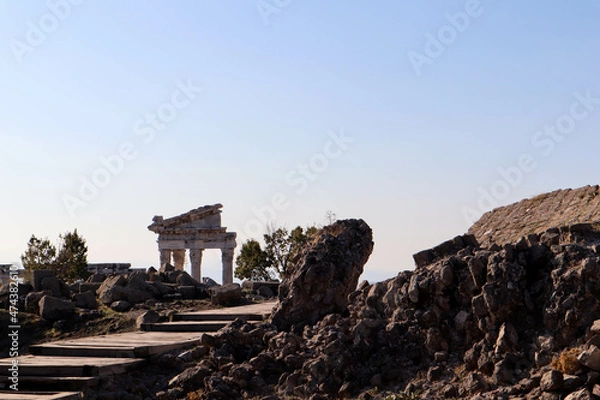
(558, 209)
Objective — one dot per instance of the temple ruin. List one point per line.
(195, 231)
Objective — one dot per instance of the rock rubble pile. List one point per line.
(511, 321)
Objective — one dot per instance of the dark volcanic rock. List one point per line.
(325, 274)
(516, 319)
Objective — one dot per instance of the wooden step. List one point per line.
(122, 345)
(31, 365)
(13, 395)
(185, 326)
(192, 316)
(52, 382)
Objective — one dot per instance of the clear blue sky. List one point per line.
(436, 97)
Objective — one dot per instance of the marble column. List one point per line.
(196, 261)
(227, 259)
(179, 259)
(165, 257)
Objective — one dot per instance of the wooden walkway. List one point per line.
(131, 345)
(4, 395)
(82, 363)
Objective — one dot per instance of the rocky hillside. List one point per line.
(511, 314)
(561, 208)
(519, 320)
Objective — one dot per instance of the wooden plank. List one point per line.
(79, 351)
(130, 345)
(54, 382)
(70, 366)
(191, 316)
(7, 395)
(185, 326)
(264, 309)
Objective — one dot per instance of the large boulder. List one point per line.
(326, 272)
(37, 275)
(112, 289)
(32, 301)
(137, 282)
(121, 306)
(116, 288)
(149, 317)
(184, 279)
(56, 286)
(262, 288)
(85, 300)
(226, 295)
(53, 309)
(166, 267)
(209, 282)
(89, 287)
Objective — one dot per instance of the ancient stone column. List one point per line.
(227, 259)
(179, 259)
(196, 261)
(165, 257)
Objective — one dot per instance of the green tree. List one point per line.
(71, 263)
(282, 246)
(40, 254)
(281, 250)
(252, 263)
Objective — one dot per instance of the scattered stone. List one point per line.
(148, 317)
(184, 279)
(53, 309)
(191, 379)
(89, 287)
(188, 292)
(121, 306)
(226, 295)
(552, 381)
(85, 300)
(583, 394)
(590, 358)
(208, 282)
(112, 289)
(52, 284)
(166, 268)
(32, 301)
(37, 275)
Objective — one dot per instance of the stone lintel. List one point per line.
(171, 244)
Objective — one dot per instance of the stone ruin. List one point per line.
(109, 268)
(195, 231)
(509, 311)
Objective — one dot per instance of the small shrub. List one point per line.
(567, 362)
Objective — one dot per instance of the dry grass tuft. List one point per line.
(567, 361)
